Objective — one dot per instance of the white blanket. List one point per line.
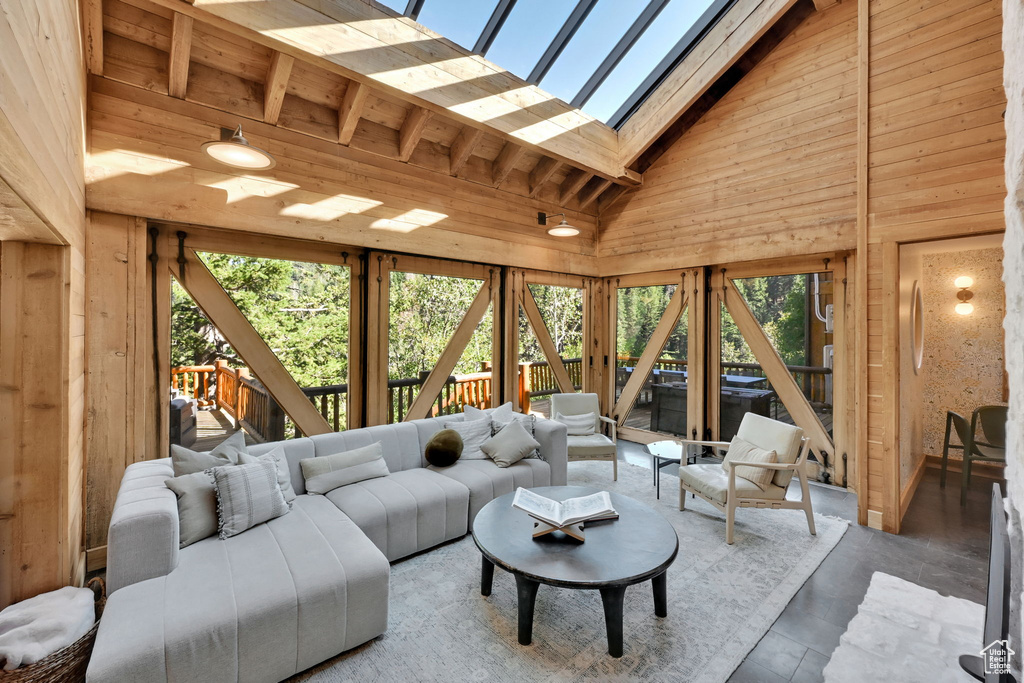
(34, 628)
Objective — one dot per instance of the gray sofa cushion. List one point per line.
(400, 443)
(486, 481)
(227, 452)
(321, 588)
(295, 450)
(406, 512)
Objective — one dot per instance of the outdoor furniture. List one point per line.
(638, 546)
(596, 446)
(664, 453)
(991, 449)
(727, 492)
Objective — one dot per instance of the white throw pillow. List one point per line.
(247, 495)
(329, 472)
(227, 452)
(578, 425)
(744, 451)
(474, 433)
(510, 445)
(502, 413)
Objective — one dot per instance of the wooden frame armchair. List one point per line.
(596, 446)
(726, 491)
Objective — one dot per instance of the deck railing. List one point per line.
(538, 379)
(812, 380)
(194, 381)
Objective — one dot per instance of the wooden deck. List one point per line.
(212, 427)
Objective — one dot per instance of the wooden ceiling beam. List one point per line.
(351, 109)
(412, 131)
(591, 193)
(276, 86)
(541, 173)
(181, 52)
(462, 148)
(573, 183)
(609, 196)
(824, 4)
(92, 30)
(361, 41)
(507, 159)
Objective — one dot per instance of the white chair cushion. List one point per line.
(591, 444)
(578, 425)
(772, 435)
(744, 451)
(712, 481)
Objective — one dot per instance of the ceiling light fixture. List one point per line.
(234, 150)
(563, 229)
(965, 307)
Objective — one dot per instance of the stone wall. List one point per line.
(1013, 277)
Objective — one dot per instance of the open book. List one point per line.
(566, 512)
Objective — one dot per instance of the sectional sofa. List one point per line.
(286, 595)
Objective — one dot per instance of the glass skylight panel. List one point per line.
(460, 21)
(529, 29)
(397, 5)
(602, 29)
(660, 37)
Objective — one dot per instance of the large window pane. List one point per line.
(561, 310)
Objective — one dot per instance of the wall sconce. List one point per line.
(965, 307)
(234, 150)
(563, 229)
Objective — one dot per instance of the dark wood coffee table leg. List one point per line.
(612, 598)
(486, 576)
(660, 584)
(527, 590)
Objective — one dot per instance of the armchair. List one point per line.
(720, 486)
(596, 446)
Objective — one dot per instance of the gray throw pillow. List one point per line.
(284, 477)
(329, 472)
(247, 495)
(529, 423)
(227, 452)
(197, 506)
(473, 434)
(510, 445)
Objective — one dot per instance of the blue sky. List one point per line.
(533, 23)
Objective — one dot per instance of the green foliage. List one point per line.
(779, 305)
(301, 310)
(639, 310)
(425, 311)
(562, 311)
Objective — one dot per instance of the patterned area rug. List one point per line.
(721, 601)
(905, 632)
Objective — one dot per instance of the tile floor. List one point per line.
(942, 546)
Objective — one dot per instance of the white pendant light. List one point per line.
(234, 150)
(563, 229)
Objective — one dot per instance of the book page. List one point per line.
(539, 506)
(578, 509)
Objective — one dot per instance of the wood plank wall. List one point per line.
(42, 344)
(935, 170)
(767, 172)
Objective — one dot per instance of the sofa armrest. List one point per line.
(142, 542)
(554, 448)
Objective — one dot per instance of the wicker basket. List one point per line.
(68, 664)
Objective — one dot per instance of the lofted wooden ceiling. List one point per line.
(148, 45)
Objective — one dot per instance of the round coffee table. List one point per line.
(637, 547)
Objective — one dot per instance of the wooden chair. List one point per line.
(727, 492)
(991, 447)
(596, 446)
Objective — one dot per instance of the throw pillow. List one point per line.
(744, 451)
(473, 435)
(247, 495)
(578, 425)
(284, 477)
(227, 452)
(529, 423)
(197, 506)
(502, 412)
(329, 472)
(510, 445)
(444, 448)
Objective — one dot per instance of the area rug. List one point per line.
(721, 600)
(904, 632)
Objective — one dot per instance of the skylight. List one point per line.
(603, 56)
